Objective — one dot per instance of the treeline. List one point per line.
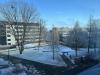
(87, 37)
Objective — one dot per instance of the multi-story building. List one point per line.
(8, 34)
(63, 33)
(2, 34)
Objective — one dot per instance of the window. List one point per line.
(8, 35)
(9, 39)
(8, 31)
(9, 43)
(8, 27)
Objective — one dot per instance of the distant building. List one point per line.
(63, 33)
(98, 32)
(7, 36)
(53, 36)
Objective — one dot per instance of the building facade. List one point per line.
(2, 34)
(10, 32)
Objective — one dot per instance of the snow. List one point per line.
(6, 71)
(10, 71)
(22, 73)
(45, 55)
(81, 52)
(92, 72)
(30, 45)
(95, 70)
(3, 62)
(19, 69)
(33, 45)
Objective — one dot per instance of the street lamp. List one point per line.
(12, 7)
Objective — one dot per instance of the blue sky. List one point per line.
(66, 12)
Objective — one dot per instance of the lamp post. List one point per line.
(12, 7)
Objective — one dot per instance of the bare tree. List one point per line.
(15, 12)
(54, 41)
(28, 15)
(42, 32)
(74, 40)
(89, 35)
(92, 34)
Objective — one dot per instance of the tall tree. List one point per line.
(18, 11)
(54, 41)
(92, 34)
(76, 42)
(40, 33)
(74, 38)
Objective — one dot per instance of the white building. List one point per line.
(32, 34)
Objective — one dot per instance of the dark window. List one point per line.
(9, 43)
(8, 27)
(8, 31)
(9, 39)
(8, 35)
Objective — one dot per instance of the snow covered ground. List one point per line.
(34, 45)
(95, 70)
(80, 52)
(44, 54)
(16, 69)
(3, 62)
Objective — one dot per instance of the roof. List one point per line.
(17, 23)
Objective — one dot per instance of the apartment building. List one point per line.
(63, 33)
(2, 34)
(9, 33)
